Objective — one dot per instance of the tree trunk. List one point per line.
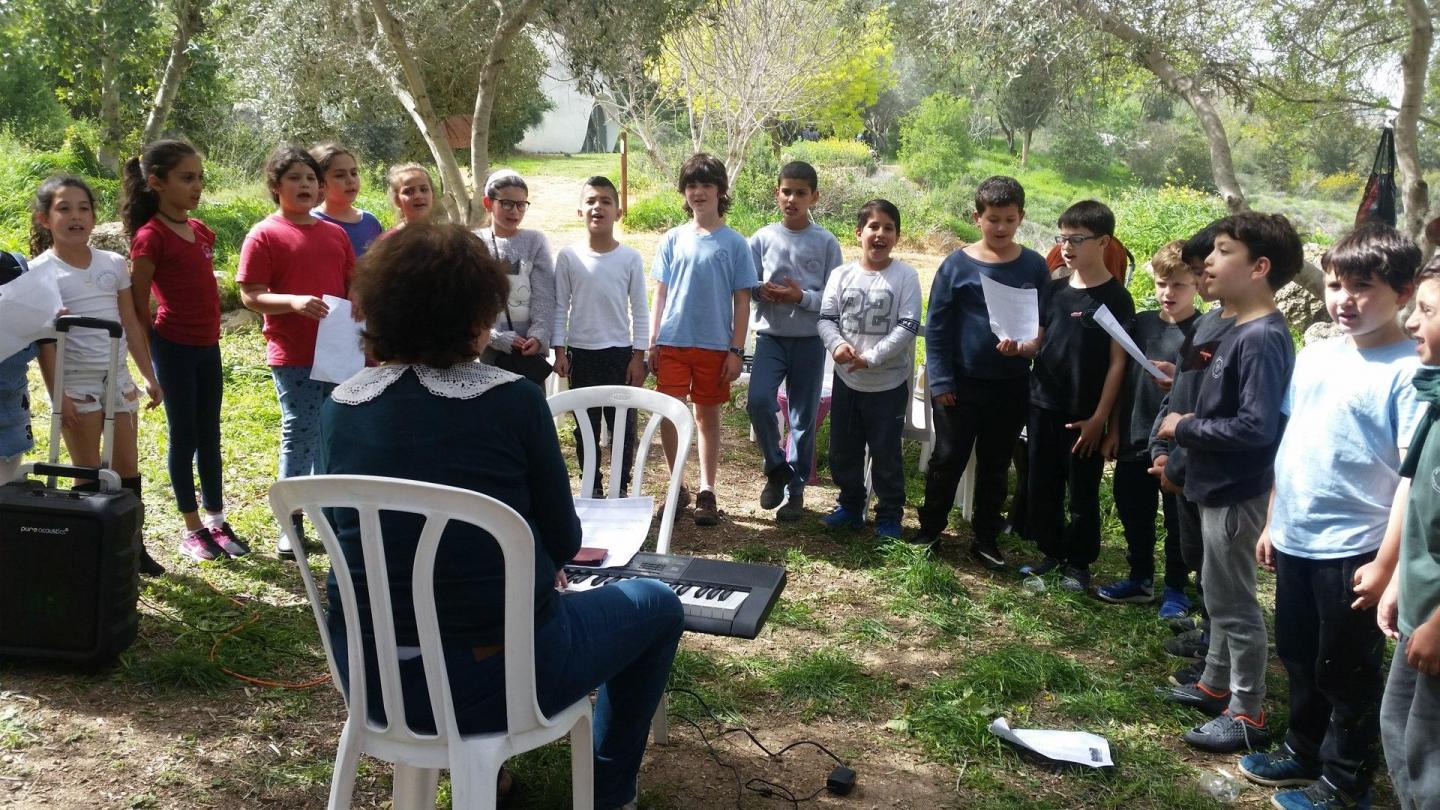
(506, 29)
(1025, 147)
(1414, 63)
(1186, 86)
(414, 96)
(1009, 136)
(188, 23)
(108, 155)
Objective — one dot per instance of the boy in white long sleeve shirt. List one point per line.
(602, 320)
(869, 318)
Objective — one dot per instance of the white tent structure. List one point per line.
(576, 123)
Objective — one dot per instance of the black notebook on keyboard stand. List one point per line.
(720, 597)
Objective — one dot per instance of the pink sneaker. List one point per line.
(224, 537)
(198, 546)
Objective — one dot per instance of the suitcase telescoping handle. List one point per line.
(107, 477)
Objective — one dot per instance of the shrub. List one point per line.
(1171, 153)
(231, 220)
(831, 153)
(935, 140)
(1147, 218)
(658, 213)
(1078, 151)
(1340, 187)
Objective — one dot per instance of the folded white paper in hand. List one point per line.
(1079, 747)
(338, 353)
(1106, 320)
(27, 310)
(1014, 313)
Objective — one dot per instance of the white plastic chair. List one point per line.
(473, 760)
(625, 399)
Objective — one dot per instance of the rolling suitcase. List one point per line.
(69, 559)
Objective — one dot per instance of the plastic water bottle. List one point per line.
(1033, 584)
(1221, 785)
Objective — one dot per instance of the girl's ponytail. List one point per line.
(139, 202)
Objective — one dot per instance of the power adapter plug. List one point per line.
(841, 781)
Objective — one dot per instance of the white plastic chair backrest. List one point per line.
(919, 424)
(439, 506)
(625, 399)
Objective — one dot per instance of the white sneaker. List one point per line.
(283, 549)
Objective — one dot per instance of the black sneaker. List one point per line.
(1075, 578)
(988, 554)
(1230, 733)
(1196, 696)
(1194, 644)
(1320, 795)
(1184, 624)
(706, 512)
(148, 566)
(1189, 674)
(774, 492)
(1041, 568)
(794, 506)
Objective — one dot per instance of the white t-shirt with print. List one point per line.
(92, 292)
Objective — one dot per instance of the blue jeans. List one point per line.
(300, 401)
(800, 363)
(193, 385)
(620, 638)
(873, 421)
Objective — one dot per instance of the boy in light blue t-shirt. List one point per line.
(1352, 410)
(704, 273)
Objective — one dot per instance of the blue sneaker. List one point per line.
(1174, 604)
(1135, 591)
(842, 518)
(888, 528)
(1279, 768)
(1320, 795)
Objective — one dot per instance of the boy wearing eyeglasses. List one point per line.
(1079, 370)
(523, 328)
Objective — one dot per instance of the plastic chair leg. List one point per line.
(472, 787)
(660, 724)
(414, 788)
(582, 765)
(347, 760)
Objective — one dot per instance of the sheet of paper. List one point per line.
(1014, 313)
(1079, 747)
(1107, 321)
(27, 310)
(338, 354)
(618, 525)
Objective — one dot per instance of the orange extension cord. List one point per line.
(251, 679)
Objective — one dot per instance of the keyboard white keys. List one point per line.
(698, 600)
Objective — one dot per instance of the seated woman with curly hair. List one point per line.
(431, 412)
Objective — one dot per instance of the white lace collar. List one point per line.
(462, 381)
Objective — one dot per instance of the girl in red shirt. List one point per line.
(171, 255)
(289, 262)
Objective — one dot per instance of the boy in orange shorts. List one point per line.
(704, 272)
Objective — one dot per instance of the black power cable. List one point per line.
(757, 785)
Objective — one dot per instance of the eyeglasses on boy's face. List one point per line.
(513, 205)
(1073, 240)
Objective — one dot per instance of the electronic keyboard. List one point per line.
(720, 597)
